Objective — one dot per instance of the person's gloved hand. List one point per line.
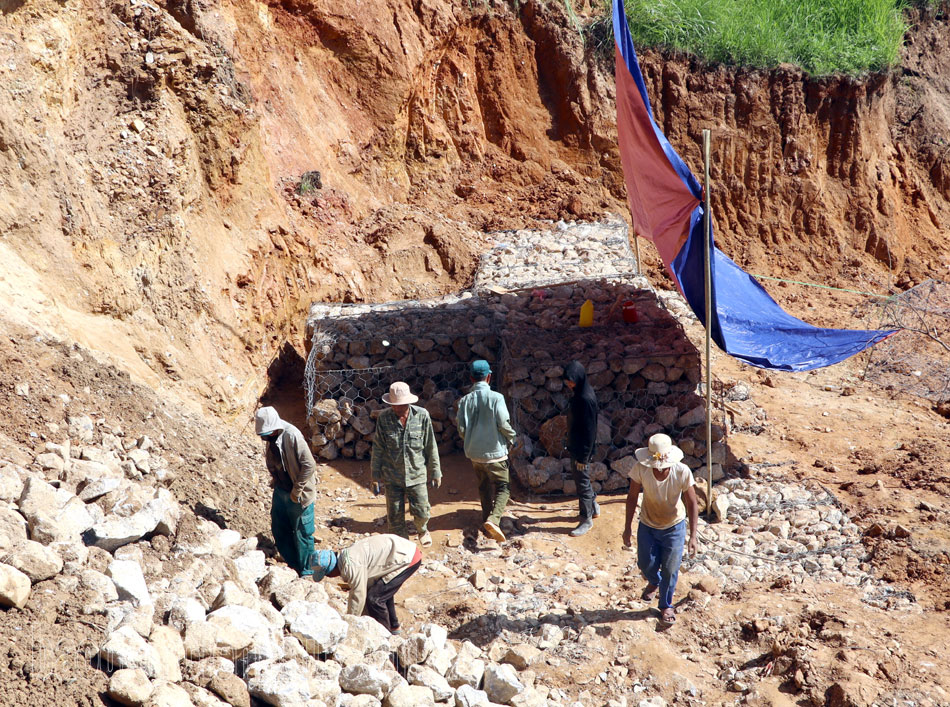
(436, 482)
(376, 488)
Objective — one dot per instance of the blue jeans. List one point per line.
(659, 554)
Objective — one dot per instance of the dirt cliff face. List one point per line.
(151, 159)
(836, 180)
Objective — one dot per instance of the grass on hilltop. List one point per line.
(821, 36)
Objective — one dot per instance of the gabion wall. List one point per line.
(645, 374)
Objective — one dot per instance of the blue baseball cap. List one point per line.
(322, 562)
(480, 368)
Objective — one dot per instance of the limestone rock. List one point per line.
(405, 695)
(278, 683)
(318, 627)
(467, 668)
(501, 683)
(36, 561)
(204, 639)
(167, 694)
(124, 648)
(201, 697)
(170, 651)
(430, 678)
(522, 656)
(266, 641)
(468, 696)
(230, 688)
(14, 587)
(415, 649)
(553, 435)
(365, 680)
(129, 581)
(130, 686)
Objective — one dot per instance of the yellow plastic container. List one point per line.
(587, 314)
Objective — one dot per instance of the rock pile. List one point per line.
(192, 612)
(642, 365)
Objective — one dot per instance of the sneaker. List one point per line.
(582, 528)
(425, 539)
(596, 510)
(493, 531)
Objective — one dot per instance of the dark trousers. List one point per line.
(379, 598)
(585, 492)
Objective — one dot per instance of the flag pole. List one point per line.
(707, 230)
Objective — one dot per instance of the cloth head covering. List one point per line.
(322, 562)
(480, 369)
(267, 420)
(399, 394)
(660, 452)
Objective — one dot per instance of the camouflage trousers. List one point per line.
(396, 496)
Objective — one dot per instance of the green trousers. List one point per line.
(419, 507)
(292, 526)
(494, 489)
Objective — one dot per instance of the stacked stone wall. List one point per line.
(645, 374)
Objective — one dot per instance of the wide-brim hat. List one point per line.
(322, 563)
(399, 394)
(660, 452)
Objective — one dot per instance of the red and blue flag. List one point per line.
(666, 208)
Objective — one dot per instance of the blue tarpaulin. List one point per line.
(666, 208)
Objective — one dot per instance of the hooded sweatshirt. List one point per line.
(582, 415)
(288, 452)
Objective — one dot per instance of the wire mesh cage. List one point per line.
(917, 359)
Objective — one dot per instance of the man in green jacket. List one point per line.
(483, 425)
(293, 477)
(404, 455)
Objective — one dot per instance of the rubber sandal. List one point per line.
(668, 615)
(649, 592)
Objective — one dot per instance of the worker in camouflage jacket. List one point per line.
(405, 456)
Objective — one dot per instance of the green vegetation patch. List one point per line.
(821, 36)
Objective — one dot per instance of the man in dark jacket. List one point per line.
(581, 435)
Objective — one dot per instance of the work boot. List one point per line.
(585, 525)
(493, 531)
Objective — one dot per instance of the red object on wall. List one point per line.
(629, 311)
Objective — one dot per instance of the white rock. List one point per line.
(14, 587)
(130, 686)
(12, 528)
(129, 581)
(365, 635)
(251, 567)
(436, 633)
(440, 660)
(405, 695)
(501, 683)
(318, 627)
(183, 611)
(283, 684)
(424, 675)
(266, 643)
(11, 485)
(468, 696)
(366, 680)
(36, 561)
(204, 639)
(170, 651)
(124, 648)
(200, 697)
(99, 583)
(467, 668)
(415, 649)
(167, 694)
(232, 594)
(96, 488)
(53, 514)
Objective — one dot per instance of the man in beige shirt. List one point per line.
(665, 482)
(374, 568)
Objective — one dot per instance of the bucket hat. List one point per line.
(660, 452)
(399, 394)
(322, 562)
